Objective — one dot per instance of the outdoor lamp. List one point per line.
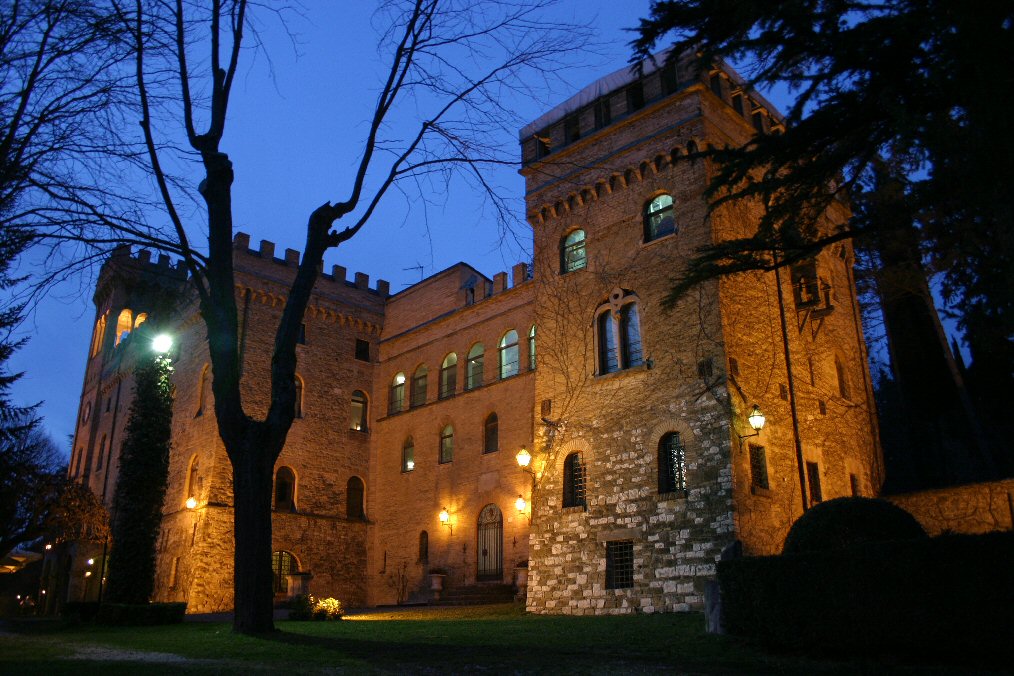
(756, 420)
(445, 519)
(520, 504)
(162, 343)
(191, 502)
(523, 457)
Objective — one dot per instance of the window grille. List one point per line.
(758, 467)
(671, 464)
(572, 252)
(658, 217)
(620, 564)
(573, 481)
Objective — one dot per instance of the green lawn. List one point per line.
(490, 639)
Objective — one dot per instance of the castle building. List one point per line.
(637, 424)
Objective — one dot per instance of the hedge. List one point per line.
(951, 596)
(131, 614)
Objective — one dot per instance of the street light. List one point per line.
(191, 502)
(445, 519)
(524, 458)
(756, 420)
(162, 343)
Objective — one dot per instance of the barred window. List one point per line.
(672, 464)
(658, 217)
(758, 467)
(620, 564)
(574, 481)
(449, 376)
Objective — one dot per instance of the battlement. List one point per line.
(338, 274)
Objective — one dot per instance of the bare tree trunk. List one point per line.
(252, 475)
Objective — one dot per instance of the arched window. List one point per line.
(491, 434)
(141, 318)
(572, 253)
(102, 454)
(424, 547)
(842, 377)
(408, 456)
(192, 488)
(202, 390)
(360, 412)
(298, 412)
(573, 481)
(618, 334)
(98, 335)
(473, 367)
(396, 400)
(449, 376)
(283, 564)
(658, 217)
(447, 444)
(124, 325)
(418, 397)
(354, 490)
(531, 347)
(672, 464)
(509, 354)
(285, 490)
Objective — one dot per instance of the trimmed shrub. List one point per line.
(844, 522)
(950, 597)
(328, 609)
(306, 607)
(131, 614)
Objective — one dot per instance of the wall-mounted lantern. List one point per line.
(445, 519)
(756, 420)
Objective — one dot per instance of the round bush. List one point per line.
(844, 522)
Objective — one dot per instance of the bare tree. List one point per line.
(452, 62)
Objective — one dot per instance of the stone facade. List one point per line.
(612, 536)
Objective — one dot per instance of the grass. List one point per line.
(490, 639)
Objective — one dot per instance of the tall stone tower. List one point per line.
(647, 466)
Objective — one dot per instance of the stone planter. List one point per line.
(436, 584)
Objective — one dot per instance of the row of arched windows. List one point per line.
(671, 468)
(658, 221)
(126, 323)
(285, 494)
(404, 394)
(490, 443)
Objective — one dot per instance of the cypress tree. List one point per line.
(141, 487)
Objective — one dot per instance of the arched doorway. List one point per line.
(489, 552)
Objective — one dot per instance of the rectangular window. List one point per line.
(603, 114)
(447, 445)
(854, 485)
(716, 85)
(635, 97)
(783, 392)
(758, 467)
(737, 103)
(362, 349)
(174, 573)
(571, 128)
(669, 80)
(758, 122)
(813, 479)
(620, 564)
(301, 339)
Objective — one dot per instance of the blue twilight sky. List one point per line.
(294, 133)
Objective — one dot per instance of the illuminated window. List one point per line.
(285, 490)
(572, 252)
(124, 325)
(408, 456)
(360, 411)
(283, 564)
(447, 444)
(658, 217)
(509, 354)
(531, 347)
(491, 434)
(396, 398)
(619, 338)
(473, 367)
(449, 376)
(672, 465)
(573, 481)
(192, 487)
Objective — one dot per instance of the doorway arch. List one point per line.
(489, 550)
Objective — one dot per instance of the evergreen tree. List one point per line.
(141, 486)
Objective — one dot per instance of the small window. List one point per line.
(668, 76)
(102, 454)
(603, 114)
(408, 456)
(354, 491)
(737, 103)
(854, 486)
(360, 411)
(298, 412)
(449, 376)
(396, 397)
(843, 382)
(192, 483)
(658, 217)
(362, 349)
(758, 467)
(572, 252)
(619, 564)
(202, 390)
(716, 85)
(283, 564)
(758, 122)
(573, 481)
(531, 348)
(447, 444)
(635, 96)
(571, 129)
(424, 547)
(510, 356)
(813, 479)
(672, 465)
(285, 490)
(491, 434)
(301, 338)
(419, 387)
(473, 368)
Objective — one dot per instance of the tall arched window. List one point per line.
(531, 347)
(424, 547)
(360, 412)
(141, 318)
(192, 488)
(124, 325)
(658, 217)
(99, 334)
(672, 464)
(354, 491)
(396, 399)
(202, 390)
(449, 376)
(618, 334)
(102, 454)
(473, 367)
(842, 378)
(447, 444)
(418, 397)
(573, 481)
(630, 336)
(285, 490)
(609, 359)
(408, 455)
(572, 252)
(283, 564)
(299, 397)
(491, 434)
(510, 355)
